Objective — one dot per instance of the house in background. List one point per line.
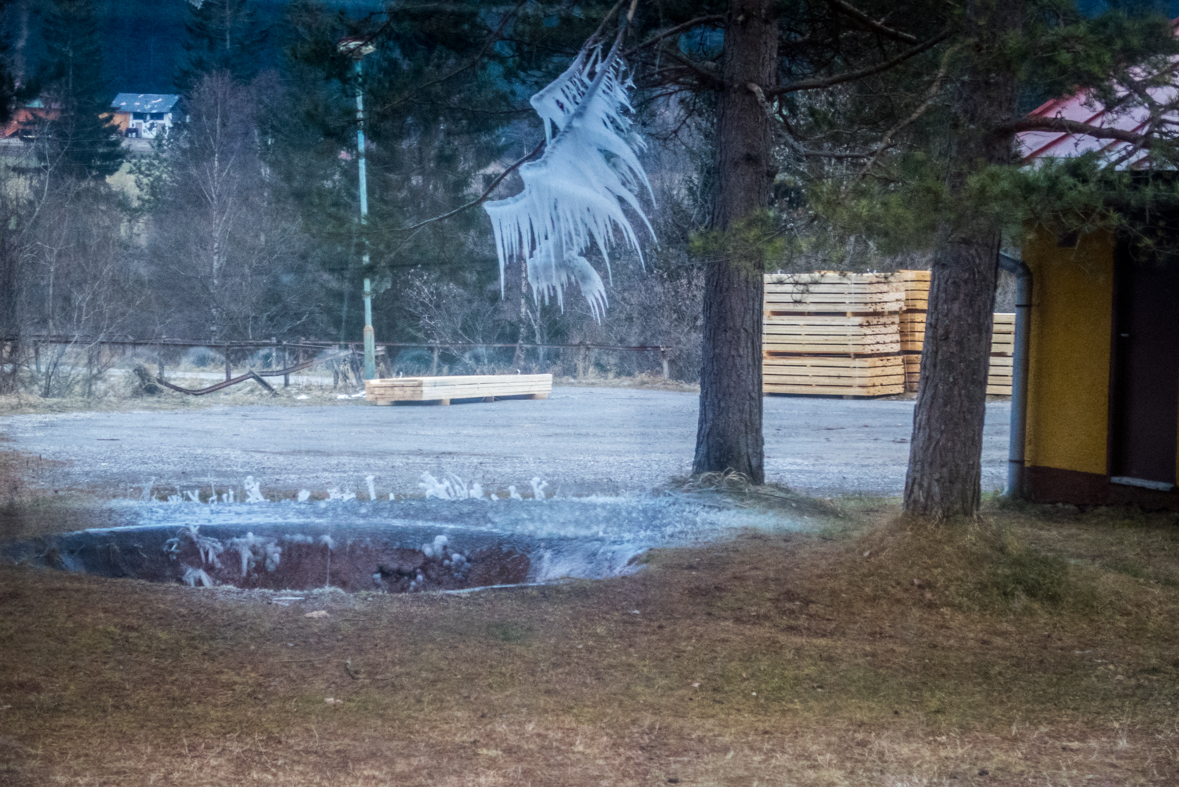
(1099, 406)
(27, 120)
(145, 115)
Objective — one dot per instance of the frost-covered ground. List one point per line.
(456, 537)
(581, 441)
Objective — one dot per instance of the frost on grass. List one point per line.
(574, 195)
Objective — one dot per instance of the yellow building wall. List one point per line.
(1069, 356)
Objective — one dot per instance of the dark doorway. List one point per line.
(1144, 407)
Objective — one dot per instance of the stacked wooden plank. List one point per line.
(1002, 355)
(835, 334)
(913, 324)
(441, 390)
(857, 334)
(1002, 351)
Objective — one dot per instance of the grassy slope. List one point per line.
(879, 655)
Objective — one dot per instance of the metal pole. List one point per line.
(1017, 449)
(370, 352)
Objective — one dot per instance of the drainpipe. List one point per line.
(1019, 373)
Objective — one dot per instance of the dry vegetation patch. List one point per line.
(894, 654)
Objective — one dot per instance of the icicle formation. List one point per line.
(571, 195)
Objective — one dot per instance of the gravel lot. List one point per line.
(582, 441)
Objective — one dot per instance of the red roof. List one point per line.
(1085, 108)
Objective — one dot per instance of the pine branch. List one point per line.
(712, 20)
(879, 27)
(1075, 127)
(850, 76)
(489, 42)
(886, 140)
(794, 141)
(706, 78)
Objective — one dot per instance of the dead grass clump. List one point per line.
(644, 380)
(979, 565)
(736, 488)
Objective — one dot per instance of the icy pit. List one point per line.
(396, 547)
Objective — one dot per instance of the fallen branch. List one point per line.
(250, 375)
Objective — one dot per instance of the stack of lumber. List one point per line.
(833, 375)
(849, 334)
(834, 334)
(441, 390)
(1002, 355)
(913, 324)
(1002, 352)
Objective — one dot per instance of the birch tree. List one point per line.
(227, 252)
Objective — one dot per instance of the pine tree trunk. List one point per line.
(945, 456)
(729, 433)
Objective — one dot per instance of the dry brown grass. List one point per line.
(645, 380)
(1040, 647)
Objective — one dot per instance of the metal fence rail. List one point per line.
(289, 353)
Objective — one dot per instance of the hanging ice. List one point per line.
(573, 194)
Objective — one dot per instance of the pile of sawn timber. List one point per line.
(856, 334)
(834, 334)
(913, 337)
(441, 390)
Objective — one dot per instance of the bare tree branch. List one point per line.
(879, 27)
(711, 20)
(886, 140)
(1075, 127)
(416, 228)
(851, 76)
(708, 79)
(793, 139)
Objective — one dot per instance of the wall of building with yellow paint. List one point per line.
(1069, 354)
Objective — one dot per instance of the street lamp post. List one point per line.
(357, 48)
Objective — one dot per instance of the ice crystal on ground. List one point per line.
(450, 488)
(253, 490)
(197, 576)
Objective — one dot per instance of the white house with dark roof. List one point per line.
(145, 115)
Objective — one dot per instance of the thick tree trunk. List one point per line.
(729, 433)
(945, 456)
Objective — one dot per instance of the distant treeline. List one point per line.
(142, 38)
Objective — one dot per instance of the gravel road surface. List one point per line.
(605, 441)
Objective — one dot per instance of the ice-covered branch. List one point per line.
(574, 194)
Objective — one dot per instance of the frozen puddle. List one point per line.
(402, 546)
